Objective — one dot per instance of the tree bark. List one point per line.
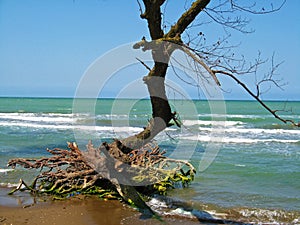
(161, 110)
(153, 15)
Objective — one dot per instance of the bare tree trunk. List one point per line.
(161, 109)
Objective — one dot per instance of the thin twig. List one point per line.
(144, 64)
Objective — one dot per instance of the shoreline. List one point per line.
(22, 208)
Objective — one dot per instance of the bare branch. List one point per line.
(257, 98)
(199, 61)
(187, 18)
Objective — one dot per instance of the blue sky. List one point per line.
(46, 46)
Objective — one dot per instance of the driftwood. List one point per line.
(105, 171)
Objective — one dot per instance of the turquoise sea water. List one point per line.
(253, 168)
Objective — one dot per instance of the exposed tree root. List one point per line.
(105, 171)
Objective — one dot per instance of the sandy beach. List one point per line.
(72, 212)
(78, 210)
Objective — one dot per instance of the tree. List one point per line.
(216, 59)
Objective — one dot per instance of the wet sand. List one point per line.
(68, 212)
(77, 210)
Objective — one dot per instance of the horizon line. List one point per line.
(148, 98)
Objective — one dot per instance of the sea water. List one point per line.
(252, 160)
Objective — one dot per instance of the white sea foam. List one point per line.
(5, 170)
(35, 125)
(252, 130)
(70, 127)
(205, 138)
(271, 216)
(239, 165)
(168, 209)
(118, 129)
(242, 116)
(156, 203)
(180, 212)
(57, 118)
(112, 116)
(231, 116)
(213, 123)
(8, 185)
